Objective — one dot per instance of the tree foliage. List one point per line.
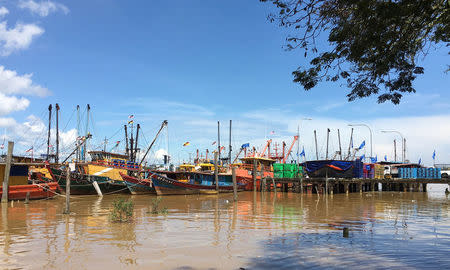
(374, 46)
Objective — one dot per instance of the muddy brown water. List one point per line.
(260, 231)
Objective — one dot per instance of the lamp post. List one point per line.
(364, 125)
(298, 136)
(403, 142)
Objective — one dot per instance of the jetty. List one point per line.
(347, 185)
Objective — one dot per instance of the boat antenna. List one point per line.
(229, 150)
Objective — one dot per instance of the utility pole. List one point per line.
(340, 148)
(57, 133)
(328, 138)
(49, 128)
(395, 150)
(315, 140)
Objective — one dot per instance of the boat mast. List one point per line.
(218, 140)
(340, 148)
(88, 108)
(328, 138)
(126, 140)
(49, 128)
(315, 139)
(136, 142)
(164, 123)
(131, 143)
(229, 146)
(78, 133)
(57, 133)
(350, 144)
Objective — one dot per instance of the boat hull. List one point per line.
(138, 186)
(83, 185)
(166, 186)
(37, 191)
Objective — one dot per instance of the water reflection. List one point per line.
(261, 230)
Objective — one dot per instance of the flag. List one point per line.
(362, 145)
(272, 132)
(50, 146)
(385, 157)
(2, 146)
(222, 148)
(374, 160)
(130, 122)
(420, 161)
(131, 116)
(29, 150)
(362, 157)
(117, 143)
(302, 154)
(214, 143)
(434, 154)
(186, 143)
(245, 145)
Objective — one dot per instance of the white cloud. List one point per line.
(33, 132)
(17, 38)
(12, 104)
(43, 8)
(12, 83)
(3, 11)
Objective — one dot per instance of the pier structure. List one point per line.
(347, 185)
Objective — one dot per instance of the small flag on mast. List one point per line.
(131, 116)
(434, 154)
(302, 154)
(29, 150)
(245, 145)
(186, 143)
(214, 143)
(362, 145)
(272, 132)
(385, 157)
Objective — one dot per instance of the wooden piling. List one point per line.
(233, 176)
(27, 198)
(216, 170)
(262, 175)
(7, 172)
(274, 186)
(255, 171)
(67, 209)
(346, 188)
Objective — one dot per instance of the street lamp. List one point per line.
(298, 136)
(364, 125)
(403, 142)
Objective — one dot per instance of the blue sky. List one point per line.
(192, 63)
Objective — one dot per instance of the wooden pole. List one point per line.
(67, 209)
(27, 198)
(262, 175)
(7, 172)
(216, 170)
(233, 175)
(254, 174)
(218, 138)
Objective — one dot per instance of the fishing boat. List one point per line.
(19, 186)
(244, 171)
(168, 186)
(334, 168)
(138, 186)
(83, 184)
